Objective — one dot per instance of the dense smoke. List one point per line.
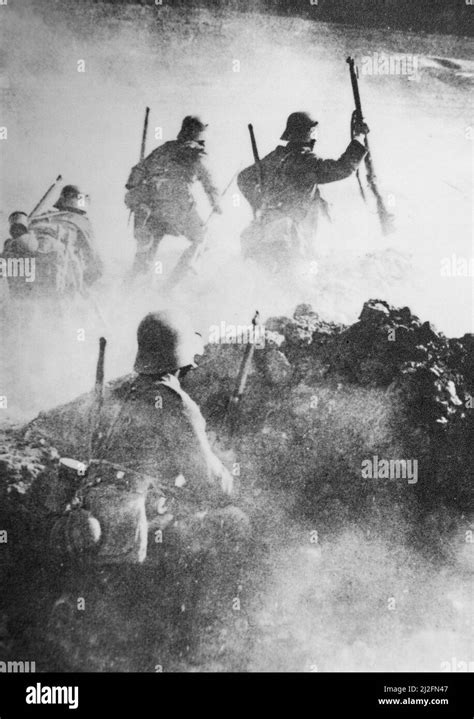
(234, 68)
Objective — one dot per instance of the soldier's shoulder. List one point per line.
(120, 386)
(165, 148)
(275, 157)
(143, 389)
(62, 217)
(77, 221)
(44, 218)
(278, 151)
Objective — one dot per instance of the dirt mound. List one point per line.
(321, 400)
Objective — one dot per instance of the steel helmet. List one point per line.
(299, 126)
(18, 218)
(166, 342)
(18, 222)
(71, 198)
(191, 128)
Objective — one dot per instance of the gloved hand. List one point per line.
(359, 127)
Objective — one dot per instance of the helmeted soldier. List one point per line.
(164, 431)
(154, 505)
(151, 440)
(287, 202)
(69, 259)
(159, 192)
(153, 473)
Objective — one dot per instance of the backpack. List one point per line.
(59, 269)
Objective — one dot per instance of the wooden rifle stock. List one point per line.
(98, 397)
(232, 410)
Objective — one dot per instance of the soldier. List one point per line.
(288, 202)
(154, 473)
(69, 260)
(163, 433)
(150, 428)
(159, 192)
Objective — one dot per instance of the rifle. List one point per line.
(385, 217)
(142, 148)
(258, 163)
(48, 192)
(144, 134)
(98, 396)
(233, 406)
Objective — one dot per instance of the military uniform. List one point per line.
(150, 447)
(62, 243)
(69, 260)
(289, 202)
(159, 193)
(158, 430)
(156, 488)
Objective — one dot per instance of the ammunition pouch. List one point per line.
(116, 496)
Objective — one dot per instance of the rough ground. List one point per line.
(339, 573)
(328, 571)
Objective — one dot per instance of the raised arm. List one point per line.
(333, 170)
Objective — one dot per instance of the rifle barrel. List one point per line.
(355, 86)
(256, 155)
(144, 134)
(45, 197)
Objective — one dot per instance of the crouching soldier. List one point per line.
(287, 202)
(151, 437)
(153, 498)
(159, 193)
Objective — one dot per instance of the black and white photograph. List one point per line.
(236, 344)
